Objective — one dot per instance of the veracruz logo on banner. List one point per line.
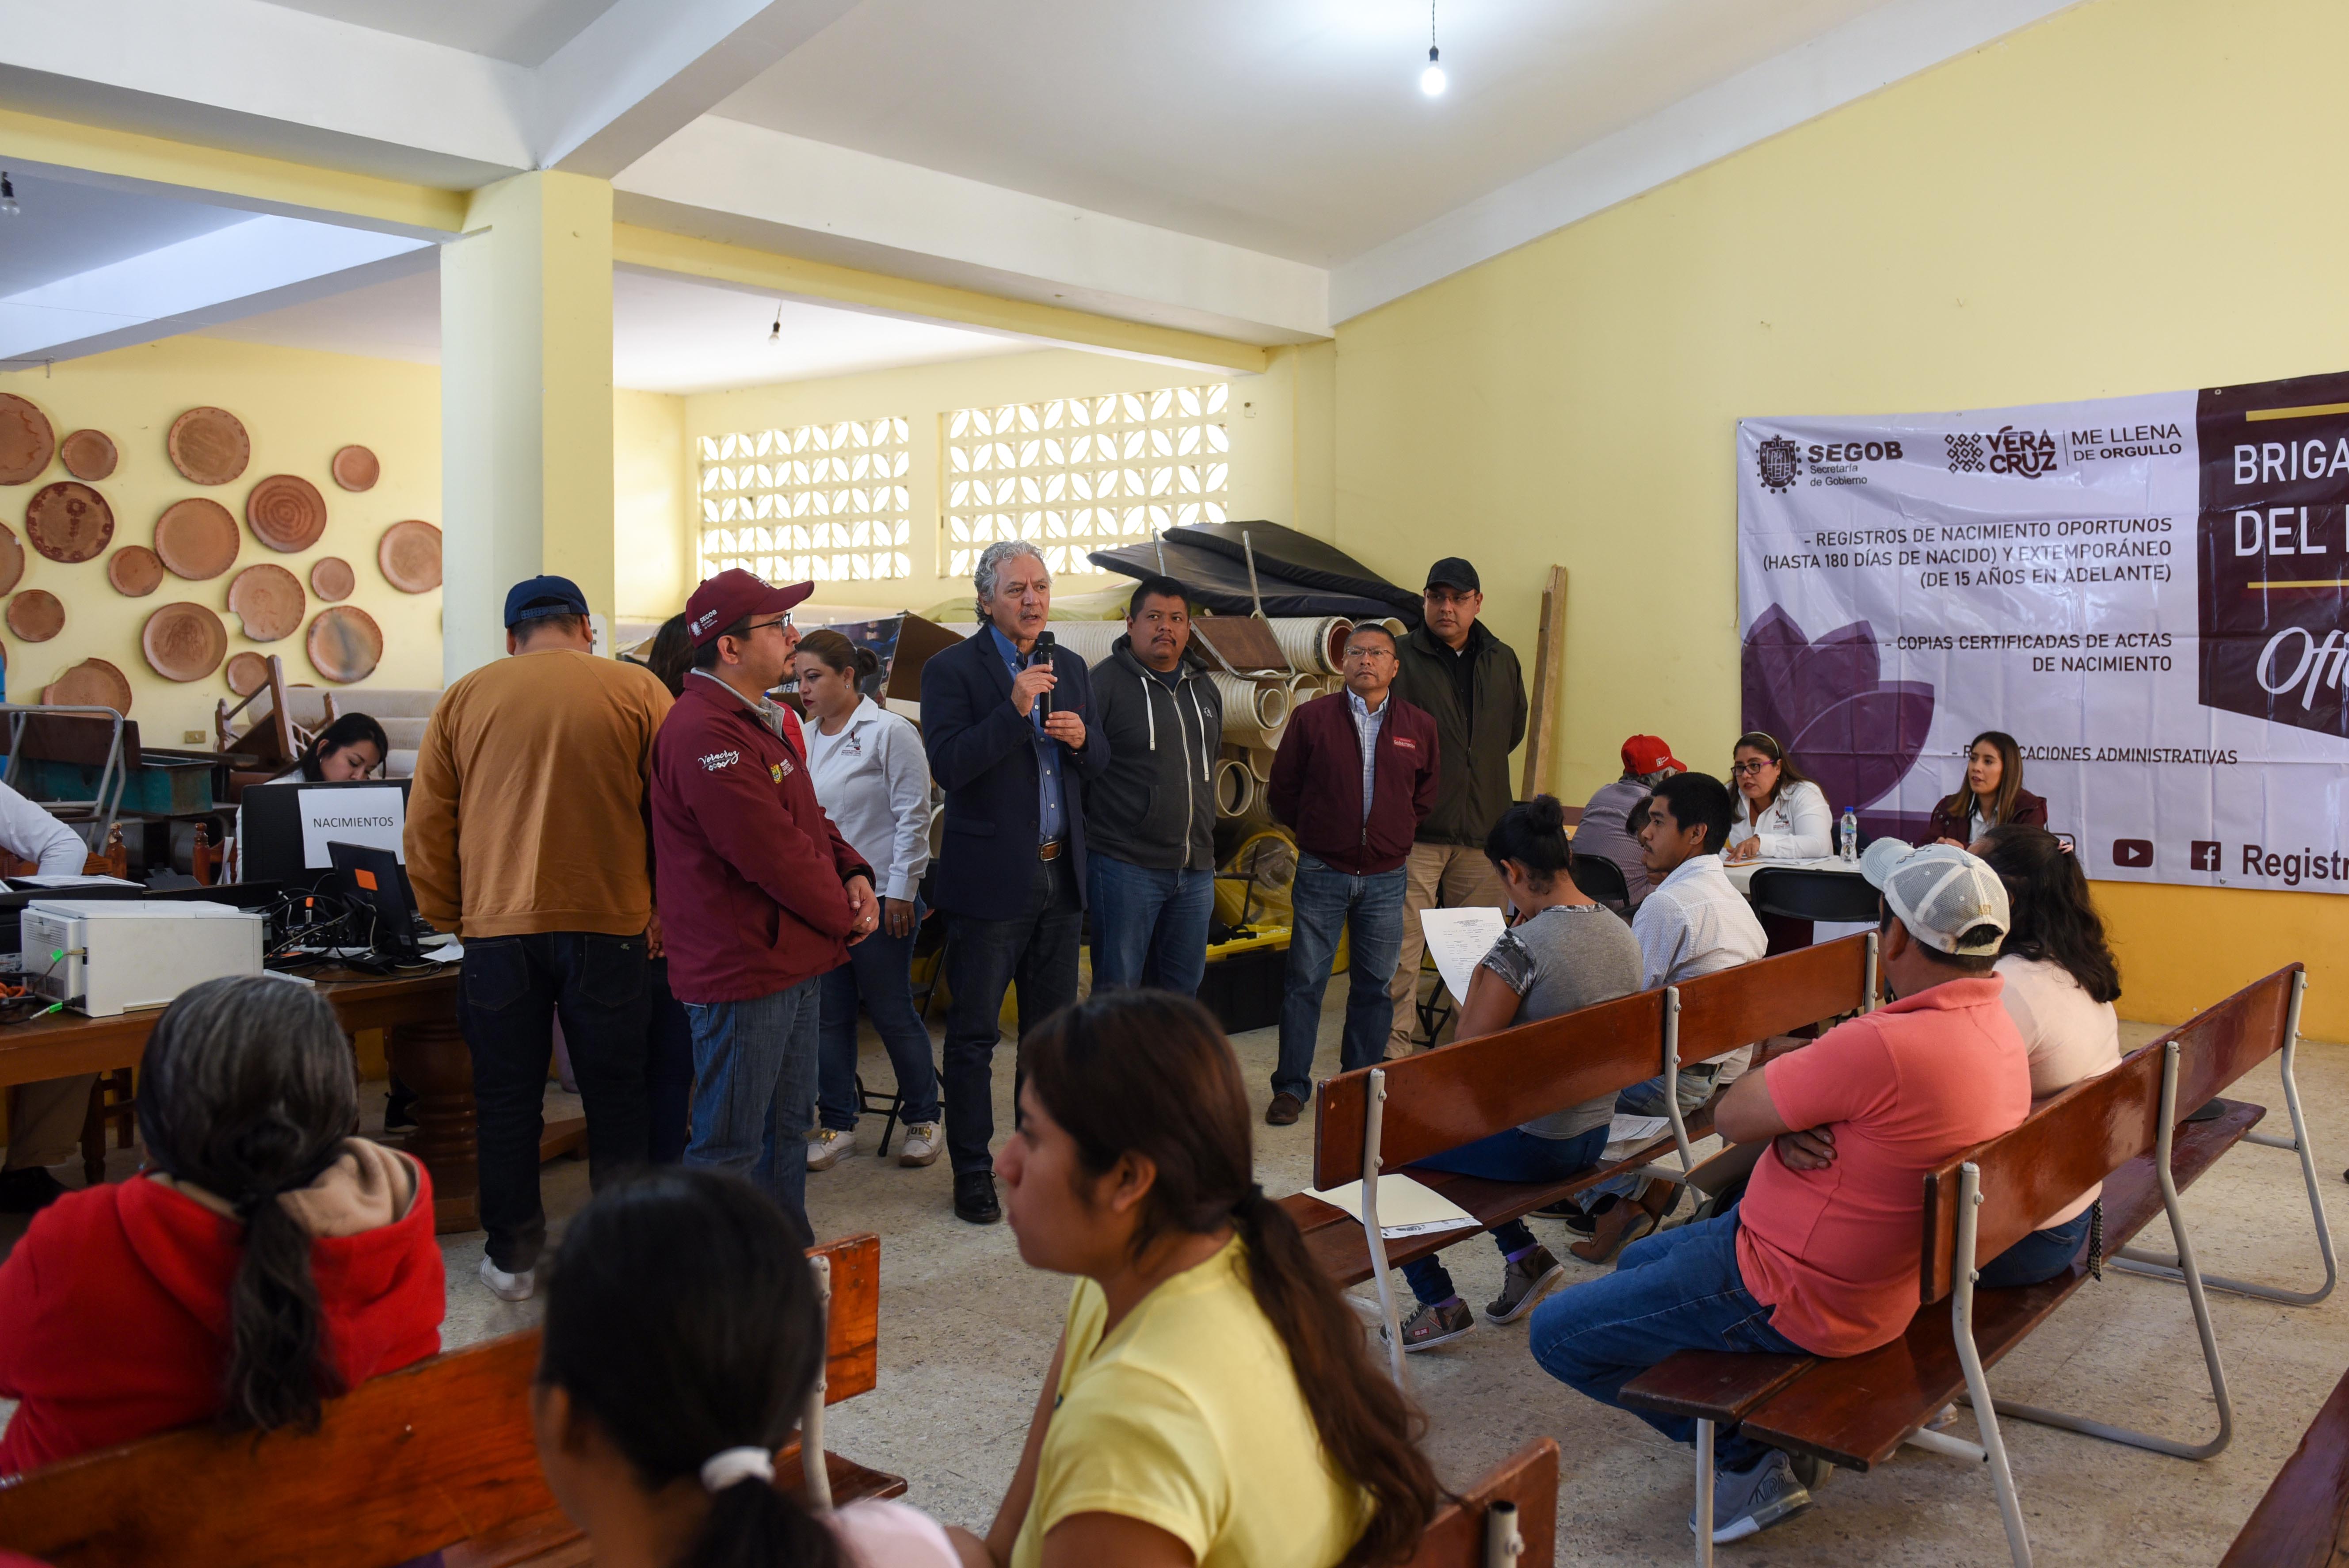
(2151, 594)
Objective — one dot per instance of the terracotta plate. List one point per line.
(247, 672)
(68, 521)
(271, 601)
(88, 454)
(26, 440)
(286, 512)
(134, 570)
(92, 683)
(183, 641)
(356, 468)
(410, 555)
(198, 538)
(331, 579)
(208, 445)
(35, 616)
(345, 644)
(12, 559)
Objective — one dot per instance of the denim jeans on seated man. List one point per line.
(1369, 909)
(754, 1090)
(879, 973)
(1150, 926)
(2038, 1257)
(1035, 951)
(1679, 1289)
(1515, 1155)
(511, 991)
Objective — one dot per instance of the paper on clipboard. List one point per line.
(1458, 941)
(1405, 1208)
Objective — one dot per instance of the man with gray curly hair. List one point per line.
(1012, 733)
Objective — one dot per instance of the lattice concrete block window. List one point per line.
(827, 502)
(1079, 474)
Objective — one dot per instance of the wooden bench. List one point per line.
(2123, 1128)
(438, 1457)
(2303, 1519)
(1510, 1515)
(1381, 1120)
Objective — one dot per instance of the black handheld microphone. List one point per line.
(1043, 656)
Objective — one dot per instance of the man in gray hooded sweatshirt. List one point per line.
(1150, 819)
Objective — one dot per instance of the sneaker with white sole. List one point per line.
(508, 1287)
(1433, 1325)
(829, 1144)
(922, 1143)
(1523, 1285)
(1749, 1501)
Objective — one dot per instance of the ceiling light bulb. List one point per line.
(775, 333)
(1431, 80)
(8, 208)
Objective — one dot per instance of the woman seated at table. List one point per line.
(1780, 814)
(1991, 795)
(264, 1260)
(1212, 1400)
(353, 747)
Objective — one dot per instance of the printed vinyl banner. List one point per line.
(2147, 593)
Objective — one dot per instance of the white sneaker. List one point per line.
(508, 1287)
(922, 1143)
(825, 1148)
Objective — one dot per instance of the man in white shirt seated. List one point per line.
(1694, 923)
(44, 1119)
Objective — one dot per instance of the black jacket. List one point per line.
(1471, 743)
(1156, 806)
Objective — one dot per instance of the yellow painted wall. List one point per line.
(299, 407)
(2136, 195)
(652, 548)
(1265, 456)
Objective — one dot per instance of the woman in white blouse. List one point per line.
(873, 780)
(1780, 814)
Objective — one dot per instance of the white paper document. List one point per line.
(1405, 1208)
(1459, 939)
(62, 879)
(373, 817)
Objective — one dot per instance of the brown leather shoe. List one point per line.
(1284, 1110)
(1625, 1223)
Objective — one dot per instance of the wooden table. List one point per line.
(427, 1049)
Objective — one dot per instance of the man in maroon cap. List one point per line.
(760, 895)
(1608, 830)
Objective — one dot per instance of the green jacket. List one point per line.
(1472, 746)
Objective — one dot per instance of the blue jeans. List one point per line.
(668, 1073)
(880, 971)
(1150, 926)
(1035, 951)
(1679, 1289)
(1692, 1088)
(754, 1092)
(1512, 1156)
(1370, 909)
(2042, 1255)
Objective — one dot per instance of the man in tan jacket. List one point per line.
(527, 833)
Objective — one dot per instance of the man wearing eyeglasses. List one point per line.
(761, 896)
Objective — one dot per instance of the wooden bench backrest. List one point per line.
(401, 1466)
(1734, 1007)
(1528, 1478)
(2221, 1043)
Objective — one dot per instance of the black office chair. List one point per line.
(1795, 893)
(1602, 879)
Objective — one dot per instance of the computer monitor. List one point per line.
(373, 880)
(288, 823)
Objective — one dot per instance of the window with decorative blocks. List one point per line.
(827, 502)
(1080, 474)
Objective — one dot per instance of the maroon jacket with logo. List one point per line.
(1317, 783)
(748, 867)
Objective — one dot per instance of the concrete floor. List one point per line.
(967, 1330)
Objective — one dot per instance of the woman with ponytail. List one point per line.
(682, 1338)
(1211, 1401)
(263, 1261)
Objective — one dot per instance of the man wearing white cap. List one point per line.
(1820, 1256)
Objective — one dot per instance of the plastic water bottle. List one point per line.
(1849, 836)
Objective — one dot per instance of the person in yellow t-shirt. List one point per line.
(1212, 1402)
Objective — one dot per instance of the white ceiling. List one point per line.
(525, 32)
(668, 334)
(64, 228)
(1294, 127)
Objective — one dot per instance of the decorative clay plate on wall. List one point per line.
(356, 468)
(345, 644)
(410, 555)
(92, 683)
(35, 616)
(135, 571)
(68, 521)
(332, 579)
(208, 445)
(270, 600)
(26, 440)
(198, 538)
(247, 672)
(12, 559)
(90, 454)
(183, 641)
(286, 512)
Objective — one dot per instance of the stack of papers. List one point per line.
(1628, 1134)
(1405, 1208)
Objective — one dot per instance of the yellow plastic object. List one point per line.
(1258, 876)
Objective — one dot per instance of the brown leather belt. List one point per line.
(1050, 848)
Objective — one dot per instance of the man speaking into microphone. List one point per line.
(1006, 719)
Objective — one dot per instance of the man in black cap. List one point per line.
(1459, 671)
(527, 833)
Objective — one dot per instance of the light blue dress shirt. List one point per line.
(1050, 819)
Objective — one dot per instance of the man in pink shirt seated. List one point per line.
(1820, 1256)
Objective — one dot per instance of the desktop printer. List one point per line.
(103, 957)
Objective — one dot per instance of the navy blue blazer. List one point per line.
(982, 753)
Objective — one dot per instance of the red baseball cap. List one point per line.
(732, 597)
(1649, 754)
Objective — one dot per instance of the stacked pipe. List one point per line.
(1316, 645)
(1255, 711)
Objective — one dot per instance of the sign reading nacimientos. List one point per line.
(2151, 594)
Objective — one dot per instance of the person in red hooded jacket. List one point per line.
(265, 1261)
